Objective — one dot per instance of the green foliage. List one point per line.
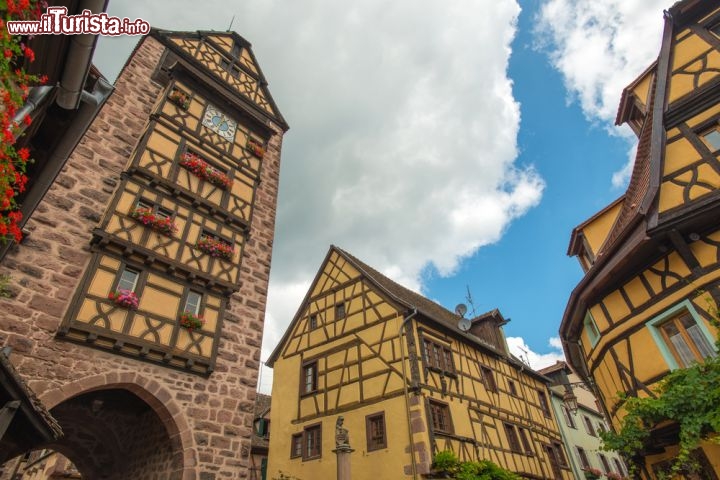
(446, 463)
(688, 397)
(5, 291)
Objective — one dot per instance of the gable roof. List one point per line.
(166, 36)
(404, 297)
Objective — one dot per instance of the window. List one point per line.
(591, 329)
(604, 463)
(309, 378)
(312, 322)
(619, 467)
(375, 430)
(128, 279)
(263, 427)
(155, 209)
(544, 406)
(339, 311)
(489, 379)
(560, 454)
(438, 356)
(512, 388)
(313, 442)
(554, 461)
(526, 442)
(712, 139)
(569, 418)
(440, 416)
(296, 445)
(601, 427)
(582, 456)
(589, 426)
(685, 339)
(192, 304)
(512, 437)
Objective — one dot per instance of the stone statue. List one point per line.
(342, 437)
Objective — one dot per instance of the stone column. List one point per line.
(343, 462)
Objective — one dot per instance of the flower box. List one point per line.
(125, 299)
(614, 476)
(157, 222)
(201, 169)
(216, 248)
(592, 473)
(255, 147)
(179, 98)
(191, 321)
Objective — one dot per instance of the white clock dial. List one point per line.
(219, 123)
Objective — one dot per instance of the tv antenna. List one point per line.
(231, 23)
(469, 299)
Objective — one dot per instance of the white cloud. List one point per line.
(520, 349)
(402, 145)
(600, 48)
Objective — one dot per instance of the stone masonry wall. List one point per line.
(211, 419)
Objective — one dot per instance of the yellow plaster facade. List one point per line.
(436, 387)
(653, 285)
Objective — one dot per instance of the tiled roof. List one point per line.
(426, 307)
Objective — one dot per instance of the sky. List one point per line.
(453, 146)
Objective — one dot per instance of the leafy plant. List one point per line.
(688, 398)
(14, 88)
(446, 463)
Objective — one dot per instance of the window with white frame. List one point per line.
(682, 336)
(128, 279)
(591, 329)
(192, 303)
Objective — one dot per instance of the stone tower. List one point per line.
(139, 293)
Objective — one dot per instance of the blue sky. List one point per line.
(448, 144)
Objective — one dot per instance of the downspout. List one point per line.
(78, 61)
(35, 98)
(405, 391)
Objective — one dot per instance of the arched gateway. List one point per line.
(138, 295)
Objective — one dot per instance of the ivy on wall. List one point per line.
(688, 398)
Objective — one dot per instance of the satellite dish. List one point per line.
(461, 309)
(464, 324)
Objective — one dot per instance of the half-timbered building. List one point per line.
(139, 294)
(652, 258)
(408, 382)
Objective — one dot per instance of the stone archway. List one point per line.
(119, 430)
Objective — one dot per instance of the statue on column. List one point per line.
(342, 437)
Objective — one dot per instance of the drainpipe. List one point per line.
(34, 99)
(78, 61)
(405, 391)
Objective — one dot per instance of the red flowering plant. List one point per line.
(14, 88)
(615, 476)
(201, 169)
(191, 321)
(160, 223)
(592, 473)
(124, 298)
(216, 248)
(179, 98)
(255, 147)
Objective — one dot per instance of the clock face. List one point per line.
(219, 123)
